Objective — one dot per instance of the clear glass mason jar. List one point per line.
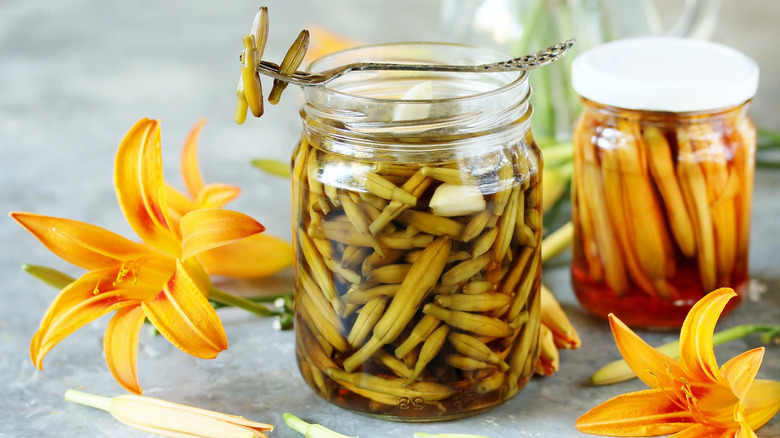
(664, 163)
(417, 228)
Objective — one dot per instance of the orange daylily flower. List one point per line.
(324, 41)
(690, 397)
(257, 256)
(160, 280)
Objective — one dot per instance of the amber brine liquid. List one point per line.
(661, 209)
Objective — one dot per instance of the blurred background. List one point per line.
(76, 75)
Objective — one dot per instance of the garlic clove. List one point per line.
(414, 111)
(457, 200)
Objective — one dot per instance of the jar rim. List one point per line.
(666, 116)
(519, 80)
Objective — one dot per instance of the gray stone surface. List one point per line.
(75, 75)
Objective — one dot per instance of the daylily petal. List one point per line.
(179, 204)
(212, 227)
(654, 368)
(549, 356)
(325, 41)
(696, 348)
(82, 244)
(555, 319)
(745, 432)
(257, 256)
(700, 430)
(86, 299)
(190, 168)
(761, 402)
(741, 371)
(139, 187)
(216, 195)
(120, 345)
(184, 316)
(643, 413)
(198, 274)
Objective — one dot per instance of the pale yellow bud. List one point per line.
(171, 419)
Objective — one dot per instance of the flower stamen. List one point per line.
(692, 402)
(136, 268)
(670, 395)
(120, 275)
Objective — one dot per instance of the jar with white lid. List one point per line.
(664, 164)
(417, 227)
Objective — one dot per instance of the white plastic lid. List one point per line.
(665, 74)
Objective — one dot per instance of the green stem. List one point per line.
(529, 27)
(228, 299)
(772, 136)
(557, 152)
(740, 331)
(295, 423)
(91, 400)
(310, 430)
(767, 164)
(566, 170)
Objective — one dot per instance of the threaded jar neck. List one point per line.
(366, 114)
(601, 111)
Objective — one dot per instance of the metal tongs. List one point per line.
(527, 62)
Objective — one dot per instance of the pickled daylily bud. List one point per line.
(253, 89)
(429, 350)
(170, 419)
(260, 30)
(428, 391)
(457, 200)
(291, 61)
(241, 104)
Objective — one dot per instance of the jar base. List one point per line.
(402, 419)
(467, 402)
(411, 415)
(638, 310)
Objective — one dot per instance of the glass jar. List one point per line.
(417, 229)
(664, 163)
